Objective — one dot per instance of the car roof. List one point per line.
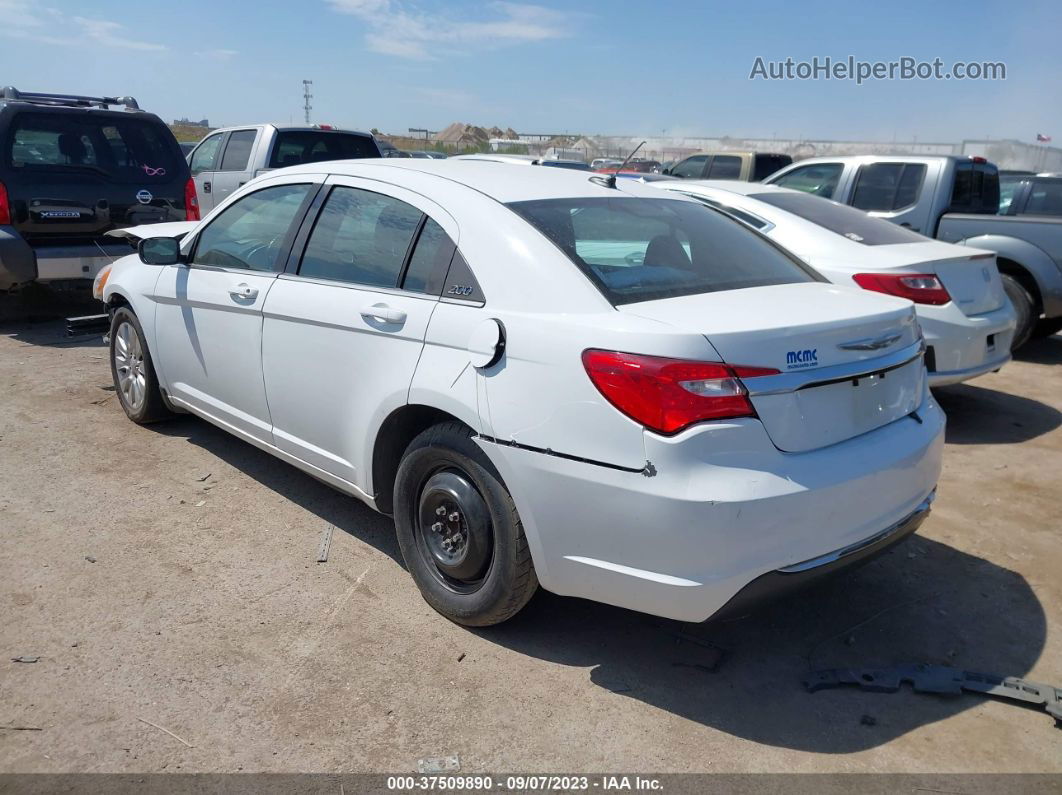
(289, 128)
(501, 181)
(733, 186)
(879, 159)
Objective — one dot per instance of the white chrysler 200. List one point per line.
(545, 377)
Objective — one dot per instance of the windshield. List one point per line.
(636, 249)
(122, 149)
(847, 221)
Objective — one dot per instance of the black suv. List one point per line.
(70, 170)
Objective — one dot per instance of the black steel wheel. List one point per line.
(459, 531)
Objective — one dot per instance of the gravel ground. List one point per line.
(167, 576)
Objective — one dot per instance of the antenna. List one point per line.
(306, 97)
(612, 177)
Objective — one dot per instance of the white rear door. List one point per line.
(343, 333)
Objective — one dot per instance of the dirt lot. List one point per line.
(167, 574)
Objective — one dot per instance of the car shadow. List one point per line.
(1046, 350)
(977, 415)
(346, 513)
(36, 316)
(921, 602)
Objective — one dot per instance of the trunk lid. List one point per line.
(850, 360)
(969, 274)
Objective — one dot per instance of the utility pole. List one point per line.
(306, 97)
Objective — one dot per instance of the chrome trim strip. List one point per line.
(837, 554)
(805, 379)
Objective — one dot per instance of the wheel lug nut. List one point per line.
(454, 516)
(440, 511)
(437, 527)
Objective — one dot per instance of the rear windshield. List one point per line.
(840, 218)
(976, 188)
(295, 147)
(638, 249)
(122, 149)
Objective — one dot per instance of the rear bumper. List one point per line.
(776, 584)
(721, 508)
(21, 263)
(961, 346)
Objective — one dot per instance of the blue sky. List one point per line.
(592, 67)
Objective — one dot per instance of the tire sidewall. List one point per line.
(1023, 308)
(417, 465)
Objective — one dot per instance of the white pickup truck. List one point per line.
(957, 199)
(229, 157)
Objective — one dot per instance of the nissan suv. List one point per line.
(73, 168)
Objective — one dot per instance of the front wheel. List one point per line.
(133, 371)
(460, 534)
(1024, 308)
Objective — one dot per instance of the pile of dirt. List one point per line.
(462, 133)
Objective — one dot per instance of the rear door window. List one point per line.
(765, 165)
(725, 167)
(238, 150)
(691, 167)
(819, 179)
(885, 187)
(294, 147)
(360, 237)
(975, 189)
(431, 257)
(639, 249)
(121, 149)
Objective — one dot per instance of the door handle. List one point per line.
(243, 290)
(383, 313)
(206, 186)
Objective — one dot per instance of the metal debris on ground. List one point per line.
(208, 474)
(162, 729)
(20, 728)
(326, 543)
(25, 658)
(708, 656)
(461, 656)
(90, 559)
(942, 679)
(439, 764)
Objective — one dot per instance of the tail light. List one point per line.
(922, 288)
(191, 201)
(5, 206)
(667, 395)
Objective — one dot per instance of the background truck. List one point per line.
(744, 166)
(957, 199)
(228, 158)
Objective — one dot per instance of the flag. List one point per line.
(1043, 139)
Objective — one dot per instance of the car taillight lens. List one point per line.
(5, 206)
(191, 201)
(667, 395)
(922, 288)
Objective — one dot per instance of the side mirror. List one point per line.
(159, 250)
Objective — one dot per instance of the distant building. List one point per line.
(190, 123)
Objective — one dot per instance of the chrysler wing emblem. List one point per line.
(872, 343)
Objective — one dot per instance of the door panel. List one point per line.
(203, 162)
(208, 325)
(341, 340)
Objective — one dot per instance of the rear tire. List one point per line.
(1024, 308)
(460, 534)
(133, 371)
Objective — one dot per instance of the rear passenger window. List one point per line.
(238, 150)
(360, 237)
(1045, 198)
(976, 188)
(206, 154)
(430, 259)
(725, 167)
(885, 187)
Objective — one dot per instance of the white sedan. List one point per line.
(546, 377)
(963, 310)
